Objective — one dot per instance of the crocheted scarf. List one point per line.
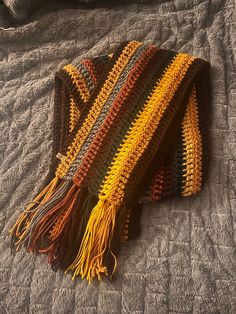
(130, 128)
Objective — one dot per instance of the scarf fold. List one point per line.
(129, 128)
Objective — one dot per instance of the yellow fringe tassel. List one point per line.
(97, 238)
(41, 198)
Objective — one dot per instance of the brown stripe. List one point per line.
(158, 185)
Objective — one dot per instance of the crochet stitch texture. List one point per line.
(129, 128)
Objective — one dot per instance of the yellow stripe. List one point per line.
(107, 88)
(192, 148)
(143, 128)
(74, 114)
(78, 81)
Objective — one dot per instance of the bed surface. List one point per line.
(185, 258)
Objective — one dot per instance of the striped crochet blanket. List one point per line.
(129, 128)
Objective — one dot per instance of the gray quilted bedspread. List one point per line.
(185, 258)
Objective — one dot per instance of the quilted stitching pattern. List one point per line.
(185, 259)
